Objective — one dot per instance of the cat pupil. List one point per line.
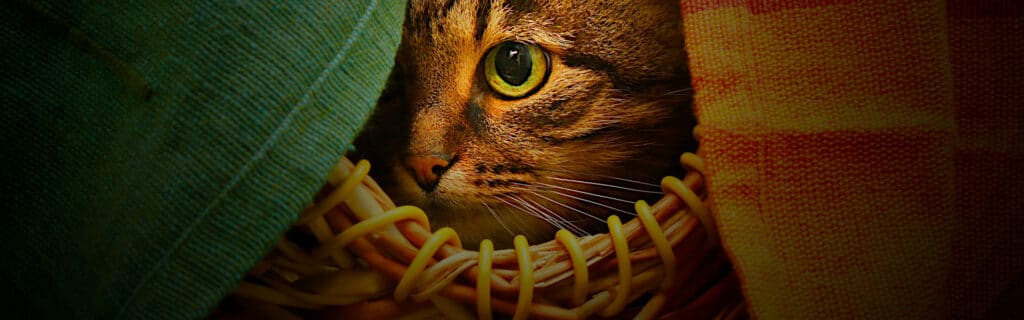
(513, 63)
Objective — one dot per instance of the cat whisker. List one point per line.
(577, 230)
(586, 193)
(496, 217)
(603, 185)
(567, 206)
(518, 207)
(585, 200)
(551, 218)
(522, 208)
(550, 186)
(507, 203)
(658, 186)
(680, 92)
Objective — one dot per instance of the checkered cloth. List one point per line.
(865, 159)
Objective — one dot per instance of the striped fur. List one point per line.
(616, 104)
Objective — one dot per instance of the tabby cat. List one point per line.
(523, 117)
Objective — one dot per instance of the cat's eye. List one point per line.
(515, 69)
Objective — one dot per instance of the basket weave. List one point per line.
(372, 260)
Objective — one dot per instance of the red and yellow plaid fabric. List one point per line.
(865, 158)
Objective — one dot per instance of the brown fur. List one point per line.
(615, 104)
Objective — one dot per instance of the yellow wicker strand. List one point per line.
(692, 161)
(698, 133)
(322, 232)
(650, 309)
(339, 171)
(422, 257)
(438, 276)
(450, 309)
(668, 258)
(675, 186)
(579, 265)
(593, 305)
(625, 269)
(525, 278)
(551, 310)
(483, 280)
(338, 195)
(608, 300)
(303, 270)
(269, 295)
(318, 299)
(369, 225)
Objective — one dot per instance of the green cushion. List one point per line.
(153, 151)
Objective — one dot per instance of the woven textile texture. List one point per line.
(865, 158)
(154, 150)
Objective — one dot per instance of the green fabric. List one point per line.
(153, 151)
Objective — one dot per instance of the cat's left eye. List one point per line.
(516, 69)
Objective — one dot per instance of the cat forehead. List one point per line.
(481, 24)
(444, 7)
(631, 38)
(537, 21)
(465, 18)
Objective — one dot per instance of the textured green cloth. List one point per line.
(154, 150)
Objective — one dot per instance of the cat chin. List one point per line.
(474, 223)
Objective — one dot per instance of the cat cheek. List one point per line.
(455, 183)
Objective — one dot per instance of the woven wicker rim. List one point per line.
(367, 245)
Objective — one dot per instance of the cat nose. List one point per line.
(428, 170)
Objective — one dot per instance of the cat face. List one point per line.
(522, 117)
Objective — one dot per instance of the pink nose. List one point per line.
(427, 170)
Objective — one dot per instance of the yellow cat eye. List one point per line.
(516, 69)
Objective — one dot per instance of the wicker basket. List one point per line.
(375, 261)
